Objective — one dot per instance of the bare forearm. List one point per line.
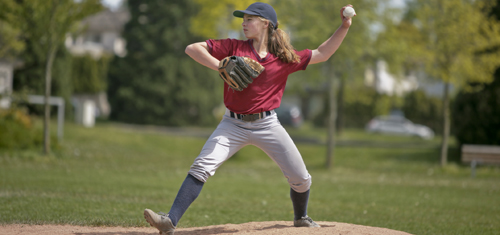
(199, 52)
(328, 48)
(333, 43)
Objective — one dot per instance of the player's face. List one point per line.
(253, 26)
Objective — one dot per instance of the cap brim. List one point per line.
(240, 14)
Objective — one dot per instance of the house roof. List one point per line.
(106, 21)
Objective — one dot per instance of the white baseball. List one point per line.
(349, 12)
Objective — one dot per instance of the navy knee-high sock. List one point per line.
(299, 201)
(189, 191)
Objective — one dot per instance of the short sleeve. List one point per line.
(305, 58)
(221, 48)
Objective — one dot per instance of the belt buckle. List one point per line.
(250, 117)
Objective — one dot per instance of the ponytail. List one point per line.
(279, 44)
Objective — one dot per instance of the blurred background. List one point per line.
(102, 113)
(427, 68)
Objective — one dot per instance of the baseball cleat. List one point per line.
(161, 221)
(305, 221)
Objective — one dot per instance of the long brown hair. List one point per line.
(278, 43)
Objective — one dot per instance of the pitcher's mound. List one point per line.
(262, 228)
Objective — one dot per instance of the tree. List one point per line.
(423, 109)
(451, 41)
(312, 22)
(156, 82)
(478, 108)
(458, 37)
(215, 18)
(47, 22)
(89, 74)
(10, 44)
(478, 112)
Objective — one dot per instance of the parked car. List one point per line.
(398, 125)
(289, 115)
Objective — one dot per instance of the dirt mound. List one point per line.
(268, 227)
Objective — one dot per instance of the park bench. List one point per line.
(480, 154)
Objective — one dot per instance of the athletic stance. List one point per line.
(250, 118)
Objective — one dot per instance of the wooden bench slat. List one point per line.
(484, 153)
(480, 154)
(481, 149)
(489, 156)
(482, 160)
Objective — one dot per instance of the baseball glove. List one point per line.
(238, 71)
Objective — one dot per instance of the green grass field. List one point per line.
(107, 175)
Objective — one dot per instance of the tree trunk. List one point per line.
(331, 122)
(305, 100)
(340, 107)
(446, 124)
(48, 82)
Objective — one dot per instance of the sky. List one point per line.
(398, 3)
(113, 4)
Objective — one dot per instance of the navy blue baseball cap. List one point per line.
(260, 9)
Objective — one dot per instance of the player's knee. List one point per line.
(301, 185)
(199, 173)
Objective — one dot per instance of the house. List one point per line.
(386, 83)
(101, 34)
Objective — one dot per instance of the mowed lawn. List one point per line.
(107, 176)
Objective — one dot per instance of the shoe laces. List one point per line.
(308, 219)
(162, 213)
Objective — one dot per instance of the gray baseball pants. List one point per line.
(267, 134)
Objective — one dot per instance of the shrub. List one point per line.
(476, 114)
(90, 74)
(425, 110)
(18, 130)
(362, 104)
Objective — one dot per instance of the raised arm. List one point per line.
(199, 52)
(327, 48)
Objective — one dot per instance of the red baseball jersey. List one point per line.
(266, 91)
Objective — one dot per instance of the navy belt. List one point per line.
(250, 117)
